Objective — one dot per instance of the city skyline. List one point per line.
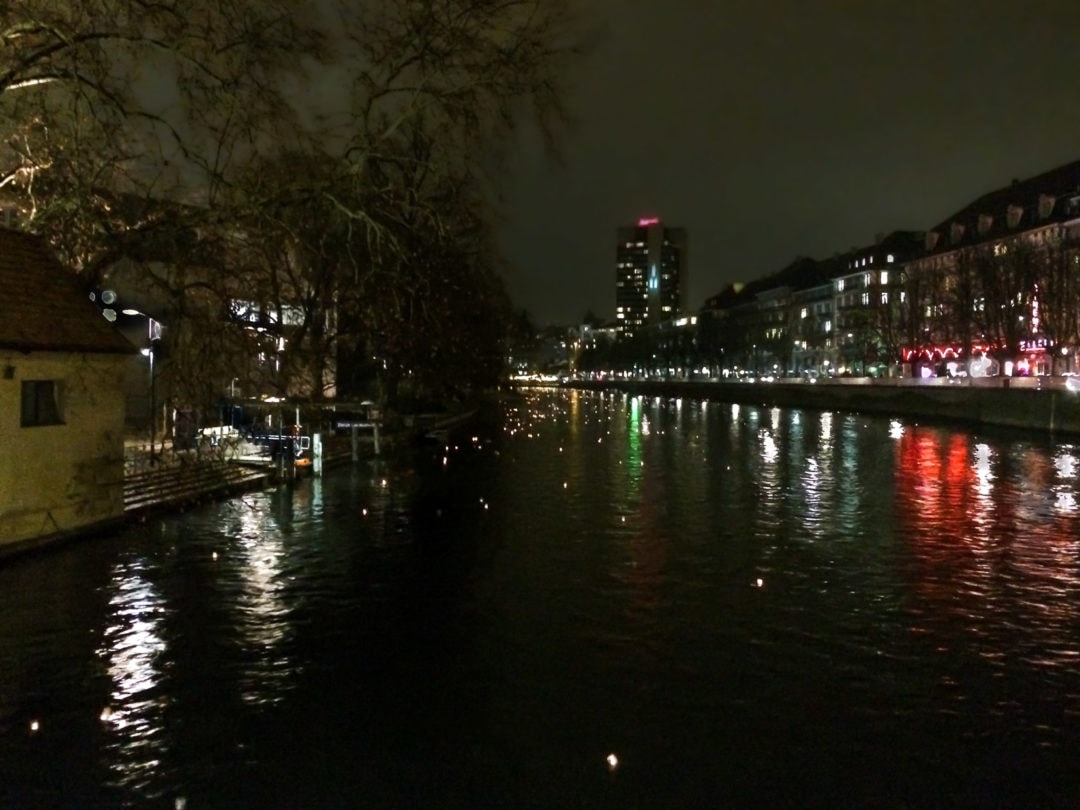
(782, 131)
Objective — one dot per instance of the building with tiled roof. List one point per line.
(998, 278)
(61, 401)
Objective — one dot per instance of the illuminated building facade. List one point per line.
(650, 274)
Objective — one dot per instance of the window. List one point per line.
(40, 403)
(890, 258)
(884, 277)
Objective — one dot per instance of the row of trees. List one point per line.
(330, 164)
(1000, 296)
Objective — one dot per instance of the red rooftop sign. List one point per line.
(645, 222)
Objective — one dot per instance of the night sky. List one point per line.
(777, 128)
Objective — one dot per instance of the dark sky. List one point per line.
(776, 128)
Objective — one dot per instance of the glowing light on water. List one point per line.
(984, 474)
(769, 451)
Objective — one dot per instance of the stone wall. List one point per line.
(62, 479)
(1050, 409)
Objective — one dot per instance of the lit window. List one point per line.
(884, 276)
(41, 403)
(866, 299)
(840, 285)
(866, 280)
(890, 258)
(884, 298)
(828, 326)
(804, 312)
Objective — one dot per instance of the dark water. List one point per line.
(746, 607)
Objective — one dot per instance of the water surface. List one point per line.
(738, 607)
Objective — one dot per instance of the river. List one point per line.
(592, 600)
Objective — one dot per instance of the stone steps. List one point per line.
(188, 482)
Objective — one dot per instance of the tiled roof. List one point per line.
(41, 305)
(1052, 196)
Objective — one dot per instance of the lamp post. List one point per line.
(153, 337)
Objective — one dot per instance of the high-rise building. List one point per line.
(650, 274)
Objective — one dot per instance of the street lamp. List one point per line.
(153, 338)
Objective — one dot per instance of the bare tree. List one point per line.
(1007, 280)
(197, 148)
(1059, 288)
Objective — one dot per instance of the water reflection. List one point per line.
(263, 616)
(748, 605)
(1065, 464)
(989, 537)
(133, 649)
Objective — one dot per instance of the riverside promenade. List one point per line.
(162, 478)
(1044, 405)
(159, 477)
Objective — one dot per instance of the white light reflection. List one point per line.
(896, 429)
(131, 647)
(826, 430)
(769, 451)
(1065, 464)
(264, 616)
(984, 475)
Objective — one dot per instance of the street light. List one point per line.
(153, 337)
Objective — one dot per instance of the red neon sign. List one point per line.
(645, 222)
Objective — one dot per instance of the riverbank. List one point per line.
(162, 480)
(1046, 406)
